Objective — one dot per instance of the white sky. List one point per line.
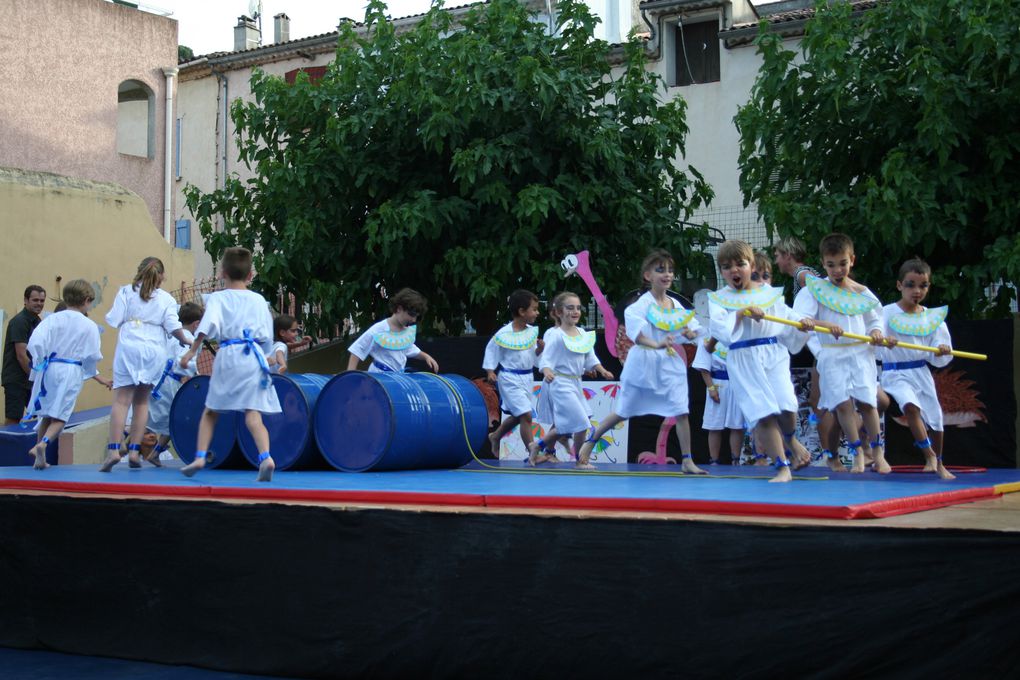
(208, 25)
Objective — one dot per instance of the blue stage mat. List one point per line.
(815, 492)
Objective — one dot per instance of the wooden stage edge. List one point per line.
(1001, 513)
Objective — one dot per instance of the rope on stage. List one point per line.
(489, 467)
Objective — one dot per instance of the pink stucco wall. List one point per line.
(61, 62)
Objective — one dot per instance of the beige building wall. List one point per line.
(60, 67)
(58, 228)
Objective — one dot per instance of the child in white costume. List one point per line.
(65, 347)
(722, 412)
(757, 359)
(170, 381)
(240, 319)
(905, 373)
(846, 368)
(390, 342)
(654, 377)
(145, 315)
(509, 362)
(569, 353)
(285, 332)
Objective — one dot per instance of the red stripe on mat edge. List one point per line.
(673, 505)
(107, 488)
(903, 506)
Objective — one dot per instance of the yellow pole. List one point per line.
(866, 338)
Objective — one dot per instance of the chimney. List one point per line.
(281, 28)
(246, 34)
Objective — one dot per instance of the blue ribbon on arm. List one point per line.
(249, 348)
(42, 368)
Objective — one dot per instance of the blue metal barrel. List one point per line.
(185, 414)
(398, 421)
(290, 432)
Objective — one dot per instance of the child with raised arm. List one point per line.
(905, 373)
(65, 347)
(170, 381)
(285, 333)
(654, 377)
(569, 353)
(721, 409)
(242, 323)
(509, 362)
(390, 342)
(757, 359)
(846, 368)
(145, 315)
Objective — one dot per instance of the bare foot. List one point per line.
(154, 458)
(533, 454)
(266, 468)
(858, 466)
(494, 444)
(39, 451)
(584, 453)
(882, 466)
(584, 465)
(783, 474)
(134, 459)
(835, 464)
(761, 461)
(929, 464)
(800, 457)
(112, 458)
(687, 465)
(548, 458)
(194, 466)
(944, 473)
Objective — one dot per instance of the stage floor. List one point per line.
(814, 493)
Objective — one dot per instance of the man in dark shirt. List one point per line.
(17, 362)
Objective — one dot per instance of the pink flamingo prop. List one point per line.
(578, 263)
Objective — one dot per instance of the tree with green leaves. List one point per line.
(899, 126)
(463, 160)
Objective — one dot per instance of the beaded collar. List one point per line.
(518, 340)
(668, 319)
(922, 323)
(730, 298)
(581, 344)
(401, 340)
(837, 299)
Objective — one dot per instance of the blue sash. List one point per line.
(167, 373)
(771, 340)
(720, 375)
(42, 368)
(249, 348)
(903, 365)
(515, 371)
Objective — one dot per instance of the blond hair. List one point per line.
(78, 292)
(733, 250)
(148, 277)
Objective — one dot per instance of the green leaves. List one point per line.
(464, 162)
(899, 129)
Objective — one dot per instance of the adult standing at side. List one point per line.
(17, 363)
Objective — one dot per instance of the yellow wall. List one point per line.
(56, 227)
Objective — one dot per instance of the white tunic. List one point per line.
(238, 381)
(760, 379)
(846, 368)
(159, 404)
(69, 335)
(277, 347)
(367, 345)
(561, 402)
(726, 414)
(143, 326)
(514, 386)
(653, 381)
(914, 385)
